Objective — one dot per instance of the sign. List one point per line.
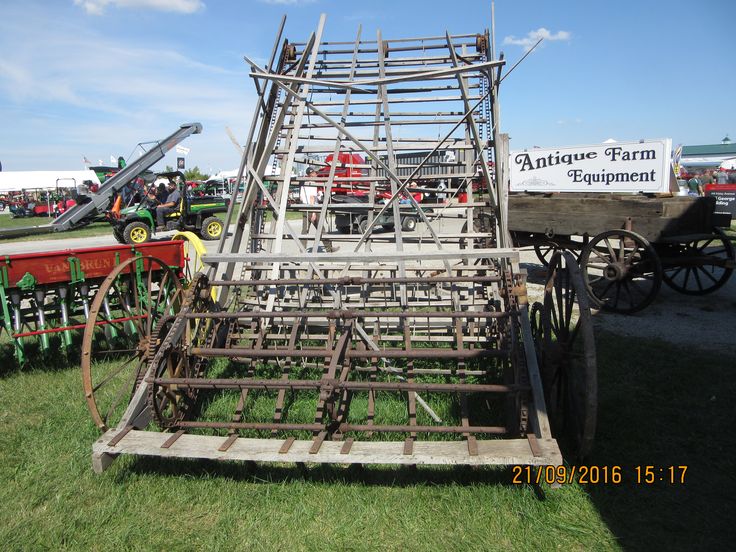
(725, 195)
(180, 163)
(181, 150)
(611, 167)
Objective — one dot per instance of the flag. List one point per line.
(181, 150)
(87, 161)
(114, 160)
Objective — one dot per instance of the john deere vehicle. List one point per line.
(136, 224)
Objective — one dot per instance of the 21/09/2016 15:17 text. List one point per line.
(599, 475)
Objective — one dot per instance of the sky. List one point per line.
(93, 78)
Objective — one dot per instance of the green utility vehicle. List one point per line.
(135, 225)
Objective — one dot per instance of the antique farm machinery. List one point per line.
(397, 349)
(629, 244)
(48, 297)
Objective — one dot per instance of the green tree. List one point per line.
(195, 174)
(169, 168)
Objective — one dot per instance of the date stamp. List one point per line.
(598, 475)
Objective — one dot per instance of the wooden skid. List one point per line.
(489, 452)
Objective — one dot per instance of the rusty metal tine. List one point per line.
(171, 440)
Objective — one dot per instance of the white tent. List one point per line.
(17, 181)
(729, 164)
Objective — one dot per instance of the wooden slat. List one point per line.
(490, 452)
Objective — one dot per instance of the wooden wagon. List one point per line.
(627, 245)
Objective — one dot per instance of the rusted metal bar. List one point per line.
(343, 314)
(358, 281)
(426, 353)
(334, 384)
(491, 430)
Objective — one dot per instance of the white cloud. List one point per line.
(72, 99)
(97, 7)
(533, 36)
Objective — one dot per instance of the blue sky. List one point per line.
(95, 77)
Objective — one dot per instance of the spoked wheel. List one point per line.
(118, 333)
(698, 266)
(622, 271)
(563, 331)
(171, 404)
(545, 251)
(547, 248)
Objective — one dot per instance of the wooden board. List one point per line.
(490, 452)
(580, 214)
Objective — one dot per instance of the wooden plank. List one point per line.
(408, 446)
(490, 452)
(358, 257)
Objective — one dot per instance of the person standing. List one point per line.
(309, 195)
(695, 186)
(721, 177)
(706, 178)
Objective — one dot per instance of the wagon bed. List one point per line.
(627, 245)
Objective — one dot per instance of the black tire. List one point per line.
(137, 233)
(409, 224)
(119, 234)
(388, 227)
(362, 225)
(209, 228)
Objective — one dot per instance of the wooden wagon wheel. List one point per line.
(563, 331)
(622, 271)
(117, 337)
(698, 266)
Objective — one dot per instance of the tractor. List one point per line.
(135, 225)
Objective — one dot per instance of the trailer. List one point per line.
(397, 349)
(628, 244)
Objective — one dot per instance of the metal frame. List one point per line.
(425, 320)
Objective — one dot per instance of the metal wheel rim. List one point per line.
(214, 229)
(138, 235)
(131, 366)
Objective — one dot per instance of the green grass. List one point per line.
(658, 405)
(7, 221)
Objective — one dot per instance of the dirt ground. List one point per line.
(706, 321)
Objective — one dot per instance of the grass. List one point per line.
(7, 221)
(658, 405)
